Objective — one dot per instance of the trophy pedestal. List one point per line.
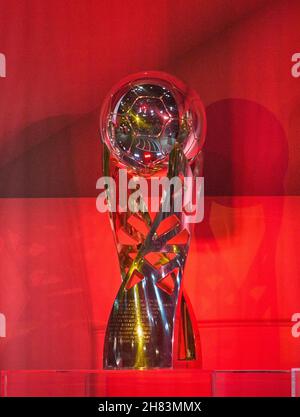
(164, 383)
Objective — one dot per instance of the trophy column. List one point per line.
(151, 324)
(151, 125)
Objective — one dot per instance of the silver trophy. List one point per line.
(153, 126)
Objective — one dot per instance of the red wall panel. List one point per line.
(58, 270)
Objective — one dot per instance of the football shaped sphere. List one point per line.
(146, 115)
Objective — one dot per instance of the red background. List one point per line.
(58, 270)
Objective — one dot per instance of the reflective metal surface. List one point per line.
(145, 123)
(151, 324)
(146, 115)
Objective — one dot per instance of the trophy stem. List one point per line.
(151, 324)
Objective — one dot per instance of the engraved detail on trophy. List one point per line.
(152, 125)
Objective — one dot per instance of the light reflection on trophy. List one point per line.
(152, 125)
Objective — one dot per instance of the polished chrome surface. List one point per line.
(151, 324)
(145, 123)
(146, 115)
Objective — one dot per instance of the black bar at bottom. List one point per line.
(158, 405)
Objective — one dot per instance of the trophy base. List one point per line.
(153, 348)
